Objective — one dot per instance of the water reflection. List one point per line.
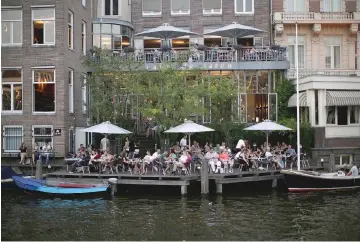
(256, 216)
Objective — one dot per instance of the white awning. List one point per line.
(343, 98)
(302, 100)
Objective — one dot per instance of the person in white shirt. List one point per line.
(213, 159)
(155, 155)
(146, 161)
(180, 163)
(105, 143)
(240, 144)
(183, 141)
(354, 171)
(46, 152)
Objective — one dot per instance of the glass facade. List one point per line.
(112, 36)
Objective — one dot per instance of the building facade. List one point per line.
(43, 78)
(329, 70)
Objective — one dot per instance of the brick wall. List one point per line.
(28, 56)
(196, 20)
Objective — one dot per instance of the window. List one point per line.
(301, 51)
(332, 52)
(212, 6)
(44, 90)
(112, 36)
(343, 159)
(12, 138)
(332, 5)
(180, 7)
(111, 7)
(295, 6)
(71, 90)
(343, 115)
(151, 7)
(84, 94)
(83, 3)
(83, 37)
(42, 134)
(11, 26)
(43, 23)
(71, 30)
(11, 90)
(244, 6)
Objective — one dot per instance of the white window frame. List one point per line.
(32, 94)
(71, 90)
(295, 6)
(12, 26)
(4, 137)
(300, 43)
(12, 111)
(83, 2)
(33, 8)
(348, 117)
(179, 12)
(112, 8)
(71, 25)
(351, 159)
(84, 93)
(331, 7)
(212, 11)
(151, 14)
(83, 33)
(244, 7)
(43, 126)
(332, 51)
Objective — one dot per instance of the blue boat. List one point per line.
(34, 185)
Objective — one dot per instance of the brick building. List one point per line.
(329, 70)
(42, 72)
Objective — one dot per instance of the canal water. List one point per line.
(251, 216)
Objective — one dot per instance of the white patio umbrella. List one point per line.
(165, 31)
(235, 30)
(106, 128)
(267, 126)
(189, 127)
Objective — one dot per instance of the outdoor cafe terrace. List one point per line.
(274, 57)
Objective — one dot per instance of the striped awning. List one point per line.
(342, 98)
(302, 100)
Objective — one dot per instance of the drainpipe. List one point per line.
(271, 22)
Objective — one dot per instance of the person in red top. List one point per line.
(224, 158)
(95, 156)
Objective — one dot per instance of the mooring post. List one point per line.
(183, 189)
(274, 183)
(113, 185)
(204, 177)
(219, 188)
(331, 163)
(38, 174)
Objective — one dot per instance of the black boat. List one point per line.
(305, 181)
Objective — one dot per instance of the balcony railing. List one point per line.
(217, 54)
(291, 73)
(315, 16)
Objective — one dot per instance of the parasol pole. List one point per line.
(297, 97)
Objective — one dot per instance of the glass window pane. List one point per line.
(6, 97)
(354, 115)
(249, 6)
(96, 28)
(12, 75)
(240, 6)
(107, 7)
(17, 97)
(300, 5)
(11, 15)
(177, 5)
(125, 30)
(17, 32)
(116, 29)
(342, 115)
(44, 76)
(44, 97)
(96, 40)
(106, 28)
(211, 4)
(328, 56)
(6, 33)
(49, 31)
(105, 41)
(152, 5)
(290, 5)
(115, 7)
(330, 115)
(117, 42)
(337, 57)
(44, 13)
(38, 32)
(301, 56)
(13, 138)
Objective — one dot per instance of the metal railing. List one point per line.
(291, 73)
(210, 54)
(315, 16)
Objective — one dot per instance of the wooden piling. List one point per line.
(184, 190)
(274, 183)
(219, 188)
(39, 174)
(205, 177)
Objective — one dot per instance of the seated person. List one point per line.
(94, 156)
(83, 161)
(354, 171)
(23, 150)
(224, 158)
(183, 159)
(46, 152)
(168, 160)
(156, 155)
(146, 162)
(212, 158)
(106, 159)
(80, 150)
